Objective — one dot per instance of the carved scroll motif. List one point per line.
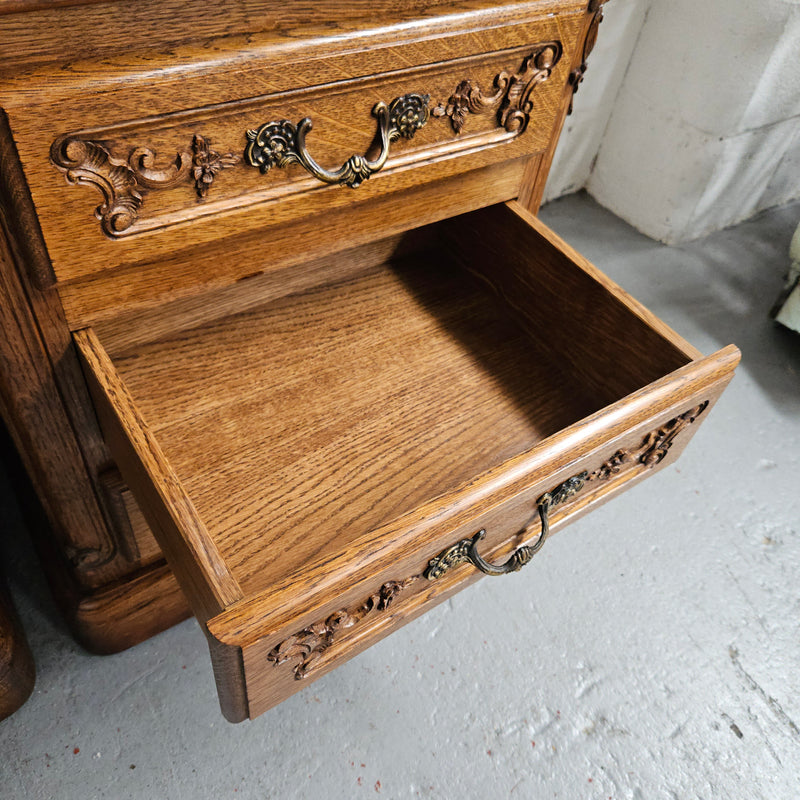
(90, 163)
(308, 645)
(576, 76)
(125, 183)
(653, 448)
(511, 100)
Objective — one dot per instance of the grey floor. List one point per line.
(651, 650)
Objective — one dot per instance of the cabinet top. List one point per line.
(34, 33)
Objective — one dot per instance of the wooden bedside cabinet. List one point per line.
(277, 309)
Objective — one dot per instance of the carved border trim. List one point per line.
(653, 448)
(511, 100)
(124, 180)
(125, 183)
(307, 646)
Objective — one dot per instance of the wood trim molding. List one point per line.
(19, 214)
(306, 648)
(125, 176)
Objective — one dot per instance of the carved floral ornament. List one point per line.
(125, 181)
(306, 647)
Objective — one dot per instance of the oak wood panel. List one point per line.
(32, 408)
(96, 549)
(509, 525)
(123, 614)
(398, 382)
(109, 618)
(129, 329)
(169, 512)
(305, 595)
(241, 199)
(343, 126)
(135, 538)
(144, 32)
(145, 288)
(613, 342)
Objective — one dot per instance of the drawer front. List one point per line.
(301, 509)
(142, 167)
(508, 536)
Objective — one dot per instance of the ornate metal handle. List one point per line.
(277, 144)
(467, 549)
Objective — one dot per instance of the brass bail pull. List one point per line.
(467, 549)
(280, 143)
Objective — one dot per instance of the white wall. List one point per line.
(704, 127)
(584, 129)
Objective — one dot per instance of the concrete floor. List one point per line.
(652, 650)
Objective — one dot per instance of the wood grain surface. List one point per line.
(343, 407)
(336, 86)
(338, 435)
(17, 670)
(170, 513)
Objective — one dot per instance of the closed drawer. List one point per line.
(129, 162)
(304, 461)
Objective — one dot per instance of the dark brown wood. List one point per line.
(19, 215)
(17, 670)
(86, 525)
(120, 616)
(32, 408)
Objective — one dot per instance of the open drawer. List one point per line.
(324, 463)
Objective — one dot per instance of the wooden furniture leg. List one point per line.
(17, 672)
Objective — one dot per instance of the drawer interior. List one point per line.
(308, 435)
(300, 425)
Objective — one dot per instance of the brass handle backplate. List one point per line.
(466, 551)
(278, 144)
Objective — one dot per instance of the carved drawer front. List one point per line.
(327, 462)
(139, 165)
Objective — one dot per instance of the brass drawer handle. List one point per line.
(467, 549)
(277, 144)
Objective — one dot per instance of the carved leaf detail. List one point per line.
(89, 163)
(511, 100)
(206, 163)
(125, 183)
(653, 448)
(308, 645)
